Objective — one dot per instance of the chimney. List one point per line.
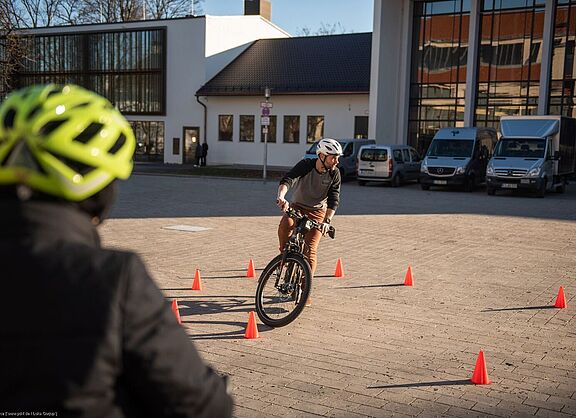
(258, 7)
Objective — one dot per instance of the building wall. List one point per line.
(389, 71)
(197, 48)
(338, 111)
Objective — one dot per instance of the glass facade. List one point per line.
(127, 67)
(149, 140)
(438, 69)
(509, 59)
(561, 97)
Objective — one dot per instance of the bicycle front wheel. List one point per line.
(283, 290)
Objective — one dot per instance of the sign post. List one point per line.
(265, 122)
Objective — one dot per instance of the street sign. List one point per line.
(265, 130)
(266, 104)
(265, 120)
(265, 111)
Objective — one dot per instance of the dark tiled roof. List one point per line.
(314, 64)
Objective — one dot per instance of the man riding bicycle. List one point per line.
(316, 193)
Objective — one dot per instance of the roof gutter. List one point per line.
(205, 117)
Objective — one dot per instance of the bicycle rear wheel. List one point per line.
(283, 290)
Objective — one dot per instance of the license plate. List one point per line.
(366, 171)
(440, 182)
(509, 186)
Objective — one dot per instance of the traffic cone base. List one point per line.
(197, 283)
(408, 281)
(251, 272)
(251, 328)
(176, 310)
(339, 269)
(480, 375)
(560, 299)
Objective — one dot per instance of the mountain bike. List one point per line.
(285, 283)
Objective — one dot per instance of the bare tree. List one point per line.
(165, 9)
(324, 29)
(12, 50)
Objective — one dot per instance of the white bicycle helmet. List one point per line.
(329, 146)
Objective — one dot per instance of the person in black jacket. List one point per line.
(84, 331)
(316, 183)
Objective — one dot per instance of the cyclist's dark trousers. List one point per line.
(312, 237)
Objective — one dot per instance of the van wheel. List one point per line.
(542, 191)
(425, 186)
(396, 180)
(491, 191)
(361, 182)
(469, 184)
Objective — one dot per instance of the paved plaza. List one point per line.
(486, 274)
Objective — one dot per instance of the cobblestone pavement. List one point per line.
(486, 274)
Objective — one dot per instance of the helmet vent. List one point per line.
(34, 111)
(9, 118)
(75, 165)
(51, 126)
(88, 133)
(119, 144)
(53, 92)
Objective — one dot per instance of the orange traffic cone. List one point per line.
(339, 269)
(408, 281)
(197, 283)
(480, 376)
(560, 299)
(176, 311)
(251, 272)
(251, 328)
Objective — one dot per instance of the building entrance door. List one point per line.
(191, 137)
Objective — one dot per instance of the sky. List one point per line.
(292, 15)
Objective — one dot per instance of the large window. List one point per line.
(315, 128)
(292, 129)
(149, 140)
(438, 74)
(127, 67)
(225, 130)
(246, 128)
(361, 127)
(271, 130)
(563, 63)
(510, 56)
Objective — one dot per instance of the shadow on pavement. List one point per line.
(520, 308)
(415, 385)
(228, 335)
(203, 307)
(368, 286)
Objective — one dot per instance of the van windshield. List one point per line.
(450, 148)
(371, 154)
(312, 149)
(520, 148)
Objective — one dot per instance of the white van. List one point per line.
(392, 164)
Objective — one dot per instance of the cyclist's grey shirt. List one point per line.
(312, 189)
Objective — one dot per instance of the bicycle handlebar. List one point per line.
(293, 213)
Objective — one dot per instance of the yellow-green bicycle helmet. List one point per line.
(65, 141)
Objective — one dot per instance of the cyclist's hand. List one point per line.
(282, 203)
(324, 228)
